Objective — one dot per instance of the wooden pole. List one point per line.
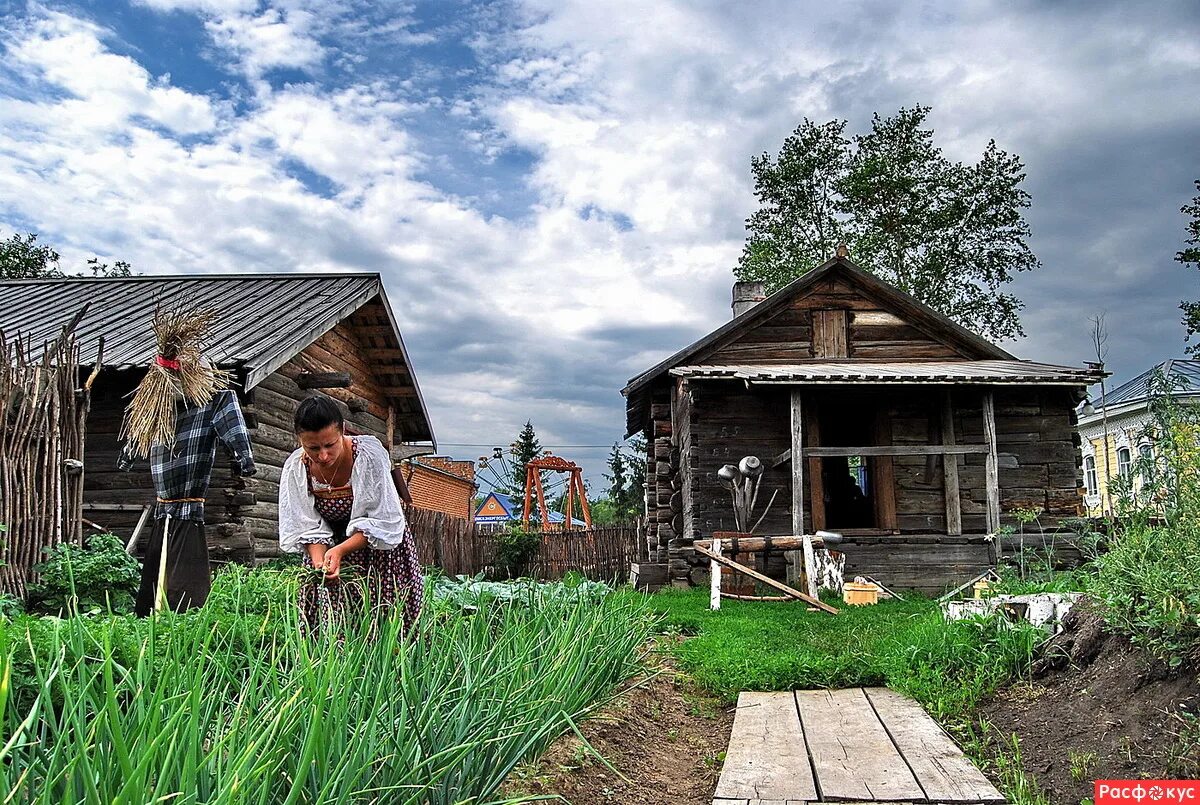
(797, 464)
(767, 580)
(714, 578)
(950, 469)
(993, 462)
(528, 489)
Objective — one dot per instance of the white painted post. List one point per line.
(714, 580)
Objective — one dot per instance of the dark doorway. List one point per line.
(851, 492)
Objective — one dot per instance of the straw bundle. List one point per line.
(178, 372)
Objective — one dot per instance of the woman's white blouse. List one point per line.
(376, 510)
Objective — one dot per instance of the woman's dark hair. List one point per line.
(318, 413)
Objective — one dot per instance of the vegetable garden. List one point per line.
(230, 703)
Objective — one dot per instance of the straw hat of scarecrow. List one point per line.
(179, 372)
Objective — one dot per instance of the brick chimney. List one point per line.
(746, 295)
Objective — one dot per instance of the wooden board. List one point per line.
(853, 757)
(766, 756)
(941, 769)
(767, 580)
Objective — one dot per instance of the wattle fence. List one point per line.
(453, 544)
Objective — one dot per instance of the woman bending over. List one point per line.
(339, 507)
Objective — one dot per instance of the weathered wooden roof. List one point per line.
(264, 319)
(966, 343)
(924, 372)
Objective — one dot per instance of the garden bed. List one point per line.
(665, 735)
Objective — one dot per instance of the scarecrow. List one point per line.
(179, 411)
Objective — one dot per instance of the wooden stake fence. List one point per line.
(43, 417)
(451, 543)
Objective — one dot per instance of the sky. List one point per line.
(555, 191)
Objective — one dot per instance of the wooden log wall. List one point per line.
(248, 528)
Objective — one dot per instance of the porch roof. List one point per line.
(982, 372)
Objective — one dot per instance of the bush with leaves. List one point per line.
(1149, 580)
(100, 577)
(514, 548)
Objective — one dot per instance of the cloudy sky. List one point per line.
(555, 190)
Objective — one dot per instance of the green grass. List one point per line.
(904, 645)
(750, 645)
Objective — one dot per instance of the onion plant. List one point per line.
(209, 708)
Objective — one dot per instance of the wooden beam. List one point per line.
(755, 544)
(992, 474)
(797, 466)
(898, 450)
(714, 578)
(324, 380)
(950, 468)
(767, 580)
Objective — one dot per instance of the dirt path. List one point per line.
(666, 736)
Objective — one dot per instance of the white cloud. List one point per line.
(107, 89)
(644, 112)
(272, 39)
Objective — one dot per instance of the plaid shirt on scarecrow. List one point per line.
(182, 470)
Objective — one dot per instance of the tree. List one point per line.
(1191, 257)
(950, 234)
(521, 452)
(22, 257)
(626, 476)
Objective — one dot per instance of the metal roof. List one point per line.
(925, 372)
(1182, 375)
(263, 319)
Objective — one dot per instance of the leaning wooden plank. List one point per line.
(766, 756)
(767, 580)
(940, 767)
(852, 755)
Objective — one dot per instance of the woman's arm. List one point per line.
(376, 514)
(300, 527)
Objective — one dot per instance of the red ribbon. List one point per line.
(166, 363)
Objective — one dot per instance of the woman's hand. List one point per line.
(332, 564)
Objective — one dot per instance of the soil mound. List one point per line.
(1096, 708)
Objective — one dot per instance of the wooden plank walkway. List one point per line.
(853, 745)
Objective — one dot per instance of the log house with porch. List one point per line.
(284, 336)
(875, 416)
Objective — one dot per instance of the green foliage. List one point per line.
(1149, 580)
(514, 548)
(951, 234)
(525, 449)
(222, 707)
(466, 592)
(22, 257)
(99, 577)
(1190, 256)
(905, 645)
(627, 476)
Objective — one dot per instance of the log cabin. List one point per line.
(875, 417)
(284, 336)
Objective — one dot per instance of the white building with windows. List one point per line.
(1114, 432)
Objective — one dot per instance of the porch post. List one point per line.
(993, 462)
(950, 468)
(797, 463)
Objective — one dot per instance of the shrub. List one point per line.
(96, 578)
(514, 548)
(1149, 580)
